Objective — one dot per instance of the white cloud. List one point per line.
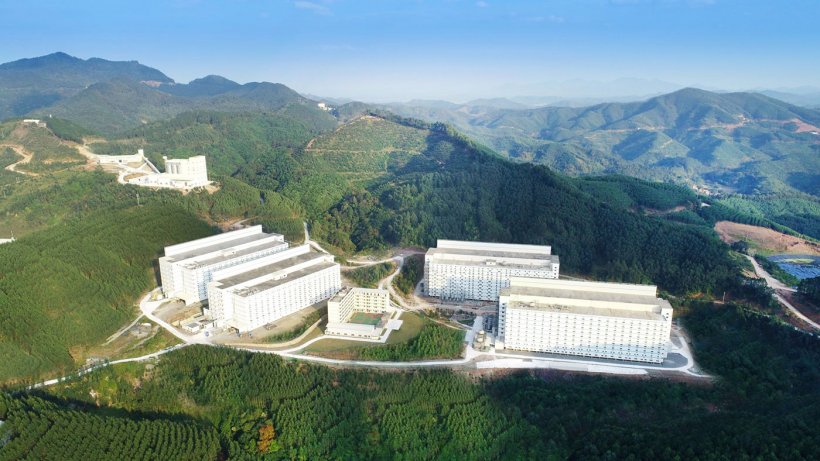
(314, 7)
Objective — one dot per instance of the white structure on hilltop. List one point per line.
(476, 270)
(264, 290)
(138, 170)
(592, 319)
(179, 174)
(35, 121)
(187, 267)
(133, 160)
(342, 306)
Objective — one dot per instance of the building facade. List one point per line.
(345, 303)
(349, 300)
(456, 270)
(253, 294)
(187, 268)
(592, 319)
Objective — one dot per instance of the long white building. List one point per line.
(262, 291)
(593, 319)
(187, 267)
(458, 270)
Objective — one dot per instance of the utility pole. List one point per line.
(138, 199)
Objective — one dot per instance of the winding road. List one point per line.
(682, 362)
(776, 285)
(27, 156)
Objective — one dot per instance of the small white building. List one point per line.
(134, 160)
(342, 306)
(250, 295)
(592, 319)
(187, 268)
(457, 270)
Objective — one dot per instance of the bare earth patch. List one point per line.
(765, 238)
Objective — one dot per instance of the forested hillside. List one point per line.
(41, 430)
(426, 182)
(85, 253)
(29, 84)
(763, 406)
(68, 287)
(744, 142)
(745, 145)
(47, 152)
(230, 141)
(114, 107)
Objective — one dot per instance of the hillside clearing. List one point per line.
(765, 239)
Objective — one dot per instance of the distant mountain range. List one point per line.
(30, 84)
(743, 142)
(111, 97)
(121, 104)
(737, 142)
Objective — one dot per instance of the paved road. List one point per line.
(778, 285)
(771, 281)
(143, 358)
(122, 330)
(311, 242)
(481, 360)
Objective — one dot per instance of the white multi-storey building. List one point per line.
(477, 270)
(350, 300)
(179, 174)
(258, 292)
(187, 267)
(593, 319)
(342, 306)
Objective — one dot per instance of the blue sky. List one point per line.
(397, 50)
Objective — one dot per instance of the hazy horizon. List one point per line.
(449, 50)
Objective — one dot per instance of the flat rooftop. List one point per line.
(218, 246)
(227, 253)
(511, 247)
(650, 313)
(481, 257)
(581, 295)
(338, 297)
(268, 273)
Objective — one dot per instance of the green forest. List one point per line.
(434, 341)
(458, 190)
(411, 274)
(763, 405)
(87, 249)
(70, 286)
(369, 276)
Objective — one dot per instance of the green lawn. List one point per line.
(414, 328)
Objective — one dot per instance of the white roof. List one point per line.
(351, 327)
